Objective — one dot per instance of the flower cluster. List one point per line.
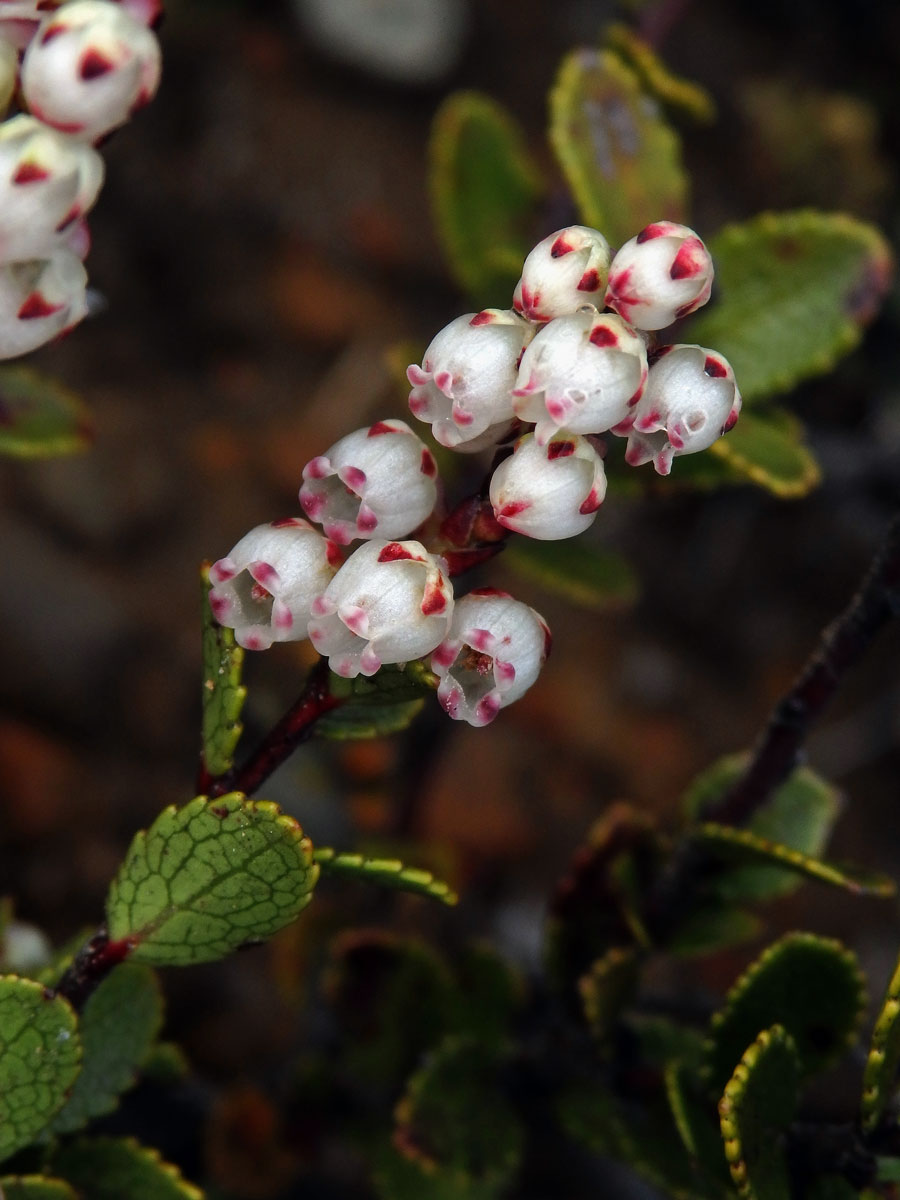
(78, 70)
(555, 361)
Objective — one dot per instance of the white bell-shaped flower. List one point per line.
(491, 656)
(464, 385)
(88, 67)
(376, 481)
(390, 602)
(562, 273)
(40, 299)
(581, 373)
(660, 276)
(264, 588)
(549, 492)
(48, 181)
(691, 399)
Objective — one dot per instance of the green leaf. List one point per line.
(40, 1054)
(744, 846)
(35, 1187)
(392, 998)
(165, 1063)
(766, 447)
(586, 575)
(113, 1168)
(800, 815)
(593, 908)
(643, 1135)
(387, 702)
(880, 1077)
(810, 985)
(386, 872)
(455, 1121)
(489, 992)
(696, 1121)
(484, 190)
(209, 877)
(39, 417)
(621, 160)
(682, 95)
(793, 293)
(713, 926)
(118, 1025)
(223, 693)
(755, 1111)
(608, 986)
(661, 1041)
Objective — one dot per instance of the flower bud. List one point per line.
(582, 373)
(390, 602)
(562, 273)
(660, 276)
(491, 656)
(465, 383)
(691, 399)
(549, 492)
(264, 588)
(39, 300)
(379, 480)
(47, 182)
(88, 67)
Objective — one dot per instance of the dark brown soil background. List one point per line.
(262, 240)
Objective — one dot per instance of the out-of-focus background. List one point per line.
(262, 242)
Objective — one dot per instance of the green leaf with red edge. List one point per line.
(593, 908)
(880, 1076)
(40, 1056)
(621, 159)
(484, 191)
(810, 985)
(209, 877)
(455, 1122)
(755, 1110)
(39, 416)
(223, 692)
(35, 1187)
(590, 576)
(106, 1168)
(793, 293)
(607, 987)
(118, 1025)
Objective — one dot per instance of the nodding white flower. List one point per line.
(264, 588)
(491, 656)
(660, 276)
(379, 480)
(549, 492)
(582, 373)
(691, 399)
(562, 273)
(39, 300)
(88, 67)
(464, 386)
(390, 602)
(48, 181)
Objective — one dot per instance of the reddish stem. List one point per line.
(90, 967)
(294, 728)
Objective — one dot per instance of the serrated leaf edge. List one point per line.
(732, 1096)
(389, 872)
(875, 1096)
(190, 1190)
(744, 982)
